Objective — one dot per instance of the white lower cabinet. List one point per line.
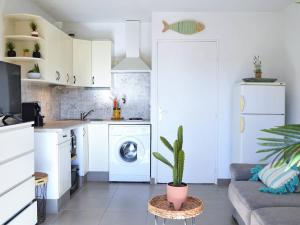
(17, 186)
(64, 165)
(98, 147)
(28, 216)
(53, 156)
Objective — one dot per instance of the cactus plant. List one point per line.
(179, 157)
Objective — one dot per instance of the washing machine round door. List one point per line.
(129, 151)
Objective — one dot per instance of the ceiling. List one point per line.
(120, 10)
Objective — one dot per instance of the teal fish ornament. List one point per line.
(184, 27)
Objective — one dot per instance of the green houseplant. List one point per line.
(26, 52)
(285, 149)
(34, 28)
(176, 190)
(34, 73)
(11, 49)
(36, 52)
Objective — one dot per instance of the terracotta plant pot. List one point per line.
(177, 195)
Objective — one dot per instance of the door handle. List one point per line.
(242, 103)
(242, 124)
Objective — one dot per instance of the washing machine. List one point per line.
(129, 153)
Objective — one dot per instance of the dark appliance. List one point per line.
(31, 111)
(73, 144)
(74, 178)
(10, 91)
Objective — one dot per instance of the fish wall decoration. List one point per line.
(188, 27)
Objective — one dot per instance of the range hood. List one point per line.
(132, 62)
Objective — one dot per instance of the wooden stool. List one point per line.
(160, 207)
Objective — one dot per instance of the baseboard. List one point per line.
(55, 205)
(223, 182)
(82, 180)
(98, 176)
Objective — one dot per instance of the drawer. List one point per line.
(16, 199)
(16, 171)
(64, 136)
(16, 142)
(28, 216)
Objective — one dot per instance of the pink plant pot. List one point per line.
(177, 195)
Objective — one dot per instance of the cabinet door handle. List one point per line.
(93, 80)
(74, 79)
(64, 136)
(57, 76)
(84, 132)
(68, 78)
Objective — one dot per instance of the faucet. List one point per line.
(83, 115)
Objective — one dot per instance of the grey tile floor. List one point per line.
(126, 204)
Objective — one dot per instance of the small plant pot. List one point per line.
(26, 54)
(36, 55)
(11, 53)
(34, 34)
(177, 195)
(34, 75)
(258, 75)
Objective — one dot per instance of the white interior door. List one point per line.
(187, 95)
(251, 126)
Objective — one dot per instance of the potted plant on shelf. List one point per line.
(26, 52)
(11, 49)
(34, 27)
(36, 52)
(177, 190)
(257, 65)
(34, 73)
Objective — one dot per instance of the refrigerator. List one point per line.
(257, 106)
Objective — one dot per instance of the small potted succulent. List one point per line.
(26, 52)
(11, 49)
(34, 73)
(34, 27)
(257, 65)
(177, 191)
(36, 52)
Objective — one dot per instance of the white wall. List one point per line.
(240, 37)
(292, 61)
(114, 32)
(18, 6)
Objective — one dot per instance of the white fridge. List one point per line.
(257, 106)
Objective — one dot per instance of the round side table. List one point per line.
(160, 207)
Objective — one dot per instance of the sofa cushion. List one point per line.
(276, 216)
(246, 197)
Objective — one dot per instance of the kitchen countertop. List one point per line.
(60, 125)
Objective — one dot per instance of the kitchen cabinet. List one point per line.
(101, 63)
(17, 186)
(98, 147)
(53, 156)
(82, 151)
(67, 70)
(64, 165)
(86, 149)
(82, 53)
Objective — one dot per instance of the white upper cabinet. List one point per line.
(82, 53)
(101, 63)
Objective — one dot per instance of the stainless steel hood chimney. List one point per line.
(132, 62)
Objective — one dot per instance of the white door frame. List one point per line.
(155, 108)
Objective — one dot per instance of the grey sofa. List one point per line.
(253, 207)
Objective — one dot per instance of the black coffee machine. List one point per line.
(31, 112)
